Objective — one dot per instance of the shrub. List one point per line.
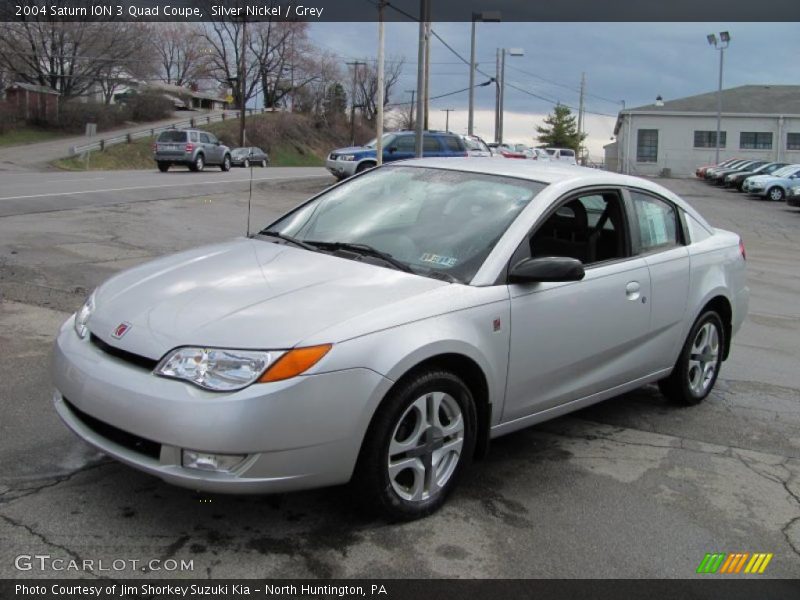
(8, 117)
(150, 106)
(73, 115)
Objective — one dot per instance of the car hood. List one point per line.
(243, 294)
(767, 179)
(353, 150)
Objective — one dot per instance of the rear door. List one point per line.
(658, 237)
(570, 340)
(432, 147)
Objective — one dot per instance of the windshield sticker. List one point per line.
(444, 261)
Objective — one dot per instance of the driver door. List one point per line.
(570, 340)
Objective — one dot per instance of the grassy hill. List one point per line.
(291, 140)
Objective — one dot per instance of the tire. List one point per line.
(698, 365)
(364, 166)
(404, 432)
(264, 163)
(163, 166)
(199, 164)
(226, 163)
(246, 163)
(776, 194)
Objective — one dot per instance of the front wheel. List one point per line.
(264, 163)
(364, 166)
(697, 368)
(777, 194)
(246, 164)
(420, 441)
(226, 163)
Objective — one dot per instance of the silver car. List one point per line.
(385, 330)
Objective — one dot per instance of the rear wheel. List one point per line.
(418, 444)
(697, 368)
(163, 166)
(777, 194)
(199, 164)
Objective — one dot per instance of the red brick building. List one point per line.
(33, 102)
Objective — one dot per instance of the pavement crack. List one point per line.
(9, 496)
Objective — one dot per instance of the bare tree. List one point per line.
(182, 54)
(68, 57)
(367, 86)
(140, 62)
(226, 63)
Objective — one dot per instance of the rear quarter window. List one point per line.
(454, 144)
(172, 136)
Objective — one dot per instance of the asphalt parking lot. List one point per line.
(633, 487)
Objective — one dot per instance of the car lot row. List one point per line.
(777, 181)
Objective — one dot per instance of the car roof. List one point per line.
(548, 173)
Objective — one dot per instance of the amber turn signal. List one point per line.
(295, 362)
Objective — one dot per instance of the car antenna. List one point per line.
(249, 198)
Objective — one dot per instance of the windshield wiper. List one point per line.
(287, 238)
(366, 250)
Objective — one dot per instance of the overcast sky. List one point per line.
(634, 62)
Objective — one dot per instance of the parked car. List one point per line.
(244, 157)
(566, 155)
(719, 175)
(387, 328)
(736, 179)
(710, 173)
(191, 148)
(506, 150)
(774, 186)
(476, 146)
(793, 197)
(540, 154)
(700, 172)
(344, 162)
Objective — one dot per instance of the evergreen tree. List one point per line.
(335, 103)
(560, 130)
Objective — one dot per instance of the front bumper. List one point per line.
(341, 168)
(300, 433)
(793, 199)
(758, 188)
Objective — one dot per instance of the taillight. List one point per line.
(189, 147)
(155, 147)
(742, 250)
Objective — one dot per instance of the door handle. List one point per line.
(632, 290)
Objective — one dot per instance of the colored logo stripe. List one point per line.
(721, 562)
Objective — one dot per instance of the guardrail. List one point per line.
(127, 138)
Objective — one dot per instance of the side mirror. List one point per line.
(392, 149)
(548, 268)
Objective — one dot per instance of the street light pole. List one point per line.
(720, 44)
(501, 87)
(486, 17)
(447, 118)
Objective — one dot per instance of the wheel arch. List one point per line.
(720, 304)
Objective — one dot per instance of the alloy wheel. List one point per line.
(704, 359)
(425, 447)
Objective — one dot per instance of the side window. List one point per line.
(404, 143)
(657, 222)
(211, 139)
(204, 138)
(193, 136)
(589, 227)
(454, 144)
(430, 144)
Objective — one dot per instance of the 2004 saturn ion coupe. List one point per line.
(386, 329)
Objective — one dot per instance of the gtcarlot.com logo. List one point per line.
(734, 563)
(45, 562)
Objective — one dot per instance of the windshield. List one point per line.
(387, 137)
(435, 221)
(770, 168)
(238, 151)
(785, 171)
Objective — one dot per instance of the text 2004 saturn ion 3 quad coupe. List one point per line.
(386, 329)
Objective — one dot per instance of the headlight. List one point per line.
(796, 190)
(347, 157)
(82, 316)
(219, 370)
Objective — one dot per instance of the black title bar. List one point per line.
(402, 10)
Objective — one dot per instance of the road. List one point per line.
(33, 157)
(633, 487)
(34, 192)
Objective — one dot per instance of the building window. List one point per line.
(755, 140)
(793, 141)
(708, 139)
(647, 145)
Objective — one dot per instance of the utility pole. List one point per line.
(426, 124)
(243, 87)
(411, 109)
(498, 84)
(381, 91)
(447, 118)
(580, 115)
(419, 129)
(486, 17)
(355, 64)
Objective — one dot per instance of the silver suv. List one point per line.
(192, 148)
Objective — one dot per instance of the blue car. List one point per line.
(398, 145)
(774, 186)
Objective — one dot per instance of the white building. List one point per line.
(673, 137)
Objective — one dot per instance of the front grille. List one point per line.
(118, 436)
(129, 357)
